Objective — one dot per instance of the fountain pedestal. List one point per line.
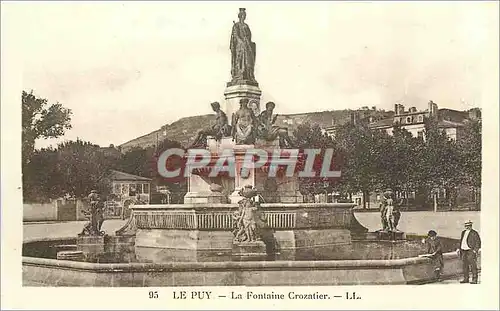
(390, 235)
(247, 251)
(204, 232)
(235, 92)
(101, 248)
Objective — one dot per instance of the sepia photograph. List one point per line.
(257, 146)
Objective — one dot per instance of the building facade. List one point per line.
(126, 189)
(448, 120)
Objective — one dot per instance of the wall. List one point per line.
(58, 210)
(80, 206)
(66, 210)
(50, 272)
(39, 212)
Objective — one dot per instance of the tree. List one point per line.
(137, 161)
(41, 182)
(470, 150)
(440, 161)
(74, 168)
(404, 171)
(82, 167)
(358, 144)
(39, 120)
(312, 137)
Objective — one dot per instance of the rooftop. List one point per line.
(122, 176)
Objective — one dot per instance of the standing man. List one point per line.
(470, 243)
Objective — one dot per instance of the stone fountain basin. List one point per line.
(52, 272)
(161, 229)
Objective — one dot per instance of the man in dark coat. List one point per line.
(470, 243)
(435, 251)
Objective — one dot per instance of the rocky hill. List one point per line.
(185, 129)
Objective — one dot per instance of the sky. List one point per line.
(127, 68)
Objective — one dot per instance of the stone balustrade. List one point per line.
(220, 217)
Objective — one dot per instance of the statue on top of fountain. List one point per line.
(268, 131)
(95, 216)
(243, 52)
(244, 124)
(220, 129)
(247, 126)
(249, 218)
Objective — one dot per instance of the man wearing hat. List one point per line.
(470, 243)
(435, 251)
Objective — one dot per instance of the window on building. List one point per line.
(138, 188)
(146, 188)
(408, 119)
(117, 189)
(420, 118)
(132, 190)
(420, 134)
(124, 189)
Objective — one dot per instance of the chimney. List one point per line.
(432, 108)
(354, 117)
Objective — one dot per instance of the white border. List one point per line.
(482, 296)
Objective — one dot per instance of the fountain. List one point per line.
(225, 233)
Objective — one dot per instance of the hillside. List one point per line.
(185, 129)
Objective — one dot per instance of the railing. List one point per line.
(208, 220)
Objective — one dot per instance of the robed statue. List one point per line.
(244, 124)
(242, 51)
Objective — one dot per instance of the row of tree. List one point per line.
(74, 168)
(374, 160)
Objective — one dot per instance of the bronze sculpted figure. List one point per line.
(220, 129)
(242, 51)
(95, 215)
(269, 131)
(244, 123)
(389, 213)
(248, 218)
